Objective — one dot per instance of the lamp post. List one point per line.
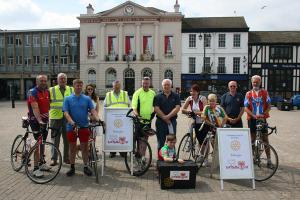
(206, 37)
(53, 44)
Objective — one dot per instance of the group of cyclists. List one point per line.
(65, 107)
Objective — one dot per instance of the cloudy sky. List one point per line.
(259, 14)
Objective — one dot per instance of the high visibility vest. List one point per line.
(120, 102)
(57, 100)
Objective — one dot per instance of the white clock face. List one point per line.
(129, 10)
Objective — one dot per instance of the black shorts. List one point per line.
(252, 126)
(201, 134)
(36, 127)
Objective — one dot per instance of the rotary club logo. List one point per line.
(168, 182)
(118, 123)
(235, 145)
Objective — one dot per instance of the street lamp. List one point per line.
(206, 39)
(53, 44)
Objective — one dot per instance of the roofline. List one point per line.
(39, 30)
(273, 43)
(193, 30)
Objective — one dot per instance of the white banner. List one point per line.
(119, 130)
(235, 153)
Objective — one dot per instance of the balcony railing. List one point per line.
(129, 57)
(111, 57)
(169, 54)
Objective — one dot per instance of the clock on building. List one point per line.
(129, 10)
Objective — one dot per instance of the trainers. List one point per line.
(71, 172)
(38, 173)
(87, 171)
(44, 167)
(53, 163)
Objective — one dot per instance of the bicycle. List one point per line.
(263, 167)
(142, 152)
(92, 156)
(189, 147)
(23, 151)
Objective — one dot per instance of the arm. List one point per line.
(185, 106)
(94, 115)
(69, 118)
(241, 114)
(36, 111)
(98, 105)
(173, 112)
(134, 104)
(159, 112)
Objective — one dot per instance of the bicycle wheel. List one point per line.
(201, 154)
(186, 150)
(141, 160)
(17, 153)
(93, 159)
(39, 170)
(263, 169)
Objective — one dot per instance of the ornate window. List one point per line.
(111, 76)
(147, 72)
(92, 76)
(169, 74)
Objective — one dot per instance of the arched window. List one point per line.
(129, 73)
(147, 72)
(111, 76)
(92, 77)
(169, 74)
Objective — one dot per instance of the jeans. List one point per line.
(162, 131)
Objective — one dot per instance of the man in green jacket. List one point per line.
(57, 120)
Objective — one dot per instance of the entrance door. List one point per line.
(129, 81)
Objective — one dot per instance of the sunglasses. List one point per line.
(90, 89)
(232, 86)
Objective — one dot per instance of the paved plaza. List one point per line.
(118, 184)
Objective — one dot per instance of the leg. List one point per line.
(55, 136)
(162, 131)
(65, 141)
(84, 135)
(72, 137)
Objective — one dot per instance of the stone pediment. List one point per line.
(130, 8)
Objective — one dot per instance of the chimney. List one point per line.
(89, 10)
(176, 7)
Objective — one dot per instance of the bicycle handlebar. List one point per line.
(137, 118)
(273, 129)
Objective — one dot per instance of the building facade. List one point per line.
(129, 42)
(275, 55)
(214, 51)
(25, 54)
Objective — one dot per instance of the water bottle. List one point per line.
(28, 144)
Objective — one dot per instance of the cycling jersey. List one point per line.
(42, 98)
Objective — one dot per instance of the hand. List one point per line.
(180, 161)
(260, 116)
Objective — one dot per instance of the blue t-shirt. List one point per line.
(78, 108)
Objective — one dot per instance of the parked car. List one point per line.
(295, 100)
(276, 99)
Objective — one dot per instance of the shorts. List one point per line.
(35, 127)
(252, 126)
(201, 134)
(239, 124)
(83, 134)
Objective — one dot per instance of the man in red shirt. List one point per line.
(38, 102)
(257, 106)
